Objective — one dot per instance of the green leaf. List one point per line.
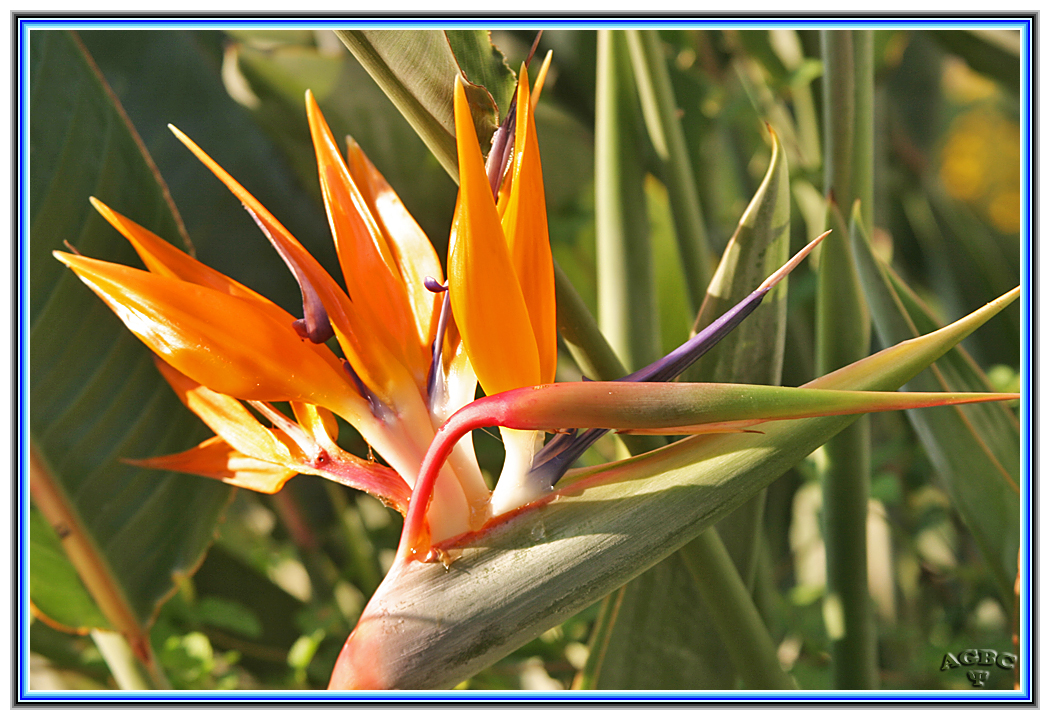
(755, 352)
(95, 397)
(665, 130)
(193, 98)
(416, 69)
(431, 627)
(976, 450)
(626, 300)
(484, 64)
(54, 585)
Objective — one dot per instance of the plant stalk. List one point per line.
(843, 336)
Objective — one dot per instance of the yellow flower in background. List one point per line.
(981, 165)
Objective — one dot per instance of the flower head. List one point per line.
(230, 353)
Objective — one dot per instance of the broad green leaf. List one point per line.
(416, 69)
(94, 396)
(672, 647)
(484, 64)
(976, 450)
(193, 98)
(431, 627)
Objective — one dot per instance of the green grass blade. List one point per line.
(660, 110)
(964, 444)
(626, 305)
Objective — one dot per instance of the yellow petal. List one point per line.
(372, 276)
(525, 227)
(486, 299)
(223, 342)
(214, 458)
(412, 250)
(371, 360)
(318, 423)
(541, 78)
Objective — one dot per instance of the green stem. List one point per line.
(665, 130)
(844, 335)
(863, 173)
(626, 308)
(587, 678)
(839, 113)
(730, 607)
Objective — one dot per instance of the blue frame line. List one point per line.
(26, 25)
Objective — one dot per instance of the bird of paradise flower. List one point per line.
(414, 346)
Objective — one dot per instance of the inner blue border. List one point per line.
(1023, 24)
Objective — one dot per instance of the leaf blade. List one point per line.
(92, 398)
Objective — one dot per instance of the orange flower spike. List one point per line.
(163, 258)
(487, 301)
(223, 342)
(525, 227)
(370, 360)
(412, 250)
(372, 276)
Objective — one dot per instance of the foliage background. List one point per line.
(286, 576)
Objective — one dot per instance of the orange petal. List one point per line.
(487, 301)
(163, 258)
(224, 342)
(525, 227)
(214, 458)
(372, 276)
(369, 359)
(412, 250)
